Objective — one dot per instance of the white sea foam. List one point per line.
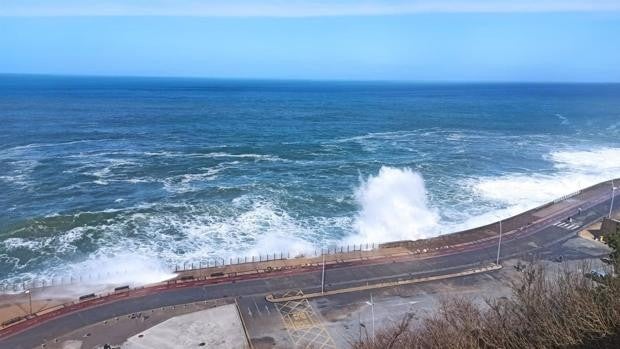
(104, 171)
(380, 135)
(575, 169)
(21, 148)
(188, 182)
(172, 154)
(143, 247)
(60, 243)
(18, 173)
(259, 227)
(120, 268)
(16, 243)
(563, 119)
(251, 156)
(394, 206)
(598, 161)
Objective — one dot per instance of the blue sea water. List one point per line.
(110, 174)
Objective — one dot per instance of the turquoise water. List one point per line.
(139, 174)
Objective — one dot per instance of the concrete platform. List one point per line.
(218, 327)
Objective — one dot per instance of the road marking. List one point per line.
(397, 304)
(257, 310)
(567, 225)
(303, 324)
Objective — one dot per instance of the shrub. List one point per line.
(563, 309)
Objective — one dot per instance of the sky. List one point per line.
(418, 40)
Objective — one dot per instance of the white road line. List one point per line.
(567, 225)
(257, 310)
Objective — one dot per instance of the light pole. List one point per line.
(29, 301)
(499, 243)
(613, 192)
(323, 273)
(372, 311)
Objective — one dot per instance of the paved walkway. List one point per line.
(219, 327)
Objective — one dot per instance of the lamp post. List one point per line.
(499, 243)
(372, 311)
(613, 195)
(323, 273)
(29, 301)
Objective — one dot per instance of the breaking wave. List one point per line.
(394, 206)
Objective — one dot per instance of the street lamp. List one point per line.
(372, 311)
(323, 273)
(29, 301)
(323, 266)
(613, 194)
(499, 243)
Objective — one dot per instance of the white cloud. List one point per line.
(290, 8)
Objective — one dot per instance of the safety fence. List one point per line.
(208, 262)
(567, 196)
(223, 262)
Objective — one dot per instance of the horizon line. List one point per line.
(301, 79)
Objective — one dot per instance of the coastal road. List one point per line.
(532, 239)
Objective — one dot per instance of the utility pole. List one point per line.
(613, 192)
(499, 243)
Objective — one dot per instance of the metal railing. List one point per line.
(214, 262)
(208, 262)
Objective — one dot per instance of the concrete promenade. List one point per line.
(532, 233)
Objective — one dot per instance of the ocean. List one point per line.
(128, 177)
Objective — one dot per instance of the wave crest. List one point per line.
(394, 206)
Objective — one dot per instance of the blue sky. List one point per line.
(440, 40)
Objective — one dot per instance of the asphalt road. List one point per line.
(532, 240)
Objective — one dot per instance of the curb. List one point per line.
(272, 299)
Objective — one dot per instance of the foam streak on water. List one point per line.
(121, 183)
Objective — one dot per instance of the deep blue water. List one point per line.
(146, 170)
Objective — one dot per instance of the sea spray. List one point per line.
(394, 206)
